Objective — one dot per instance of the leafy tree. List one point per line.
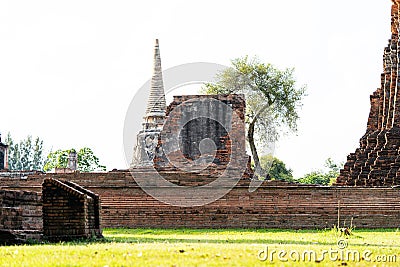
(333, 167)
(277, 168)
(57, 159)
(315, 177)
(87, 161)
(323, 177)
(25, 155)
(272, 100)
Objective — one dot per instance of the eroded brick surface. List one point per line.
(194, 122)
(20, 216)
(69, 211)
(273, 205)
(377, 161)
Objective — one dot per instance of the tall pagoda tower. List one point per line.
(377, 161)
(153, 121)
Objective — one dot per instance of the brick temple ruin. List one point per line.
(377, 161)
(56, 210)
(364, 193)
(3, 155)
(69, 211)
(193, 132)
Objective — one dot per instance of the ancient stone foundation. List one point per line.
(377, 161)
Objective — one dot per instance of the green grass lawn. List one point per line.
(183, 247)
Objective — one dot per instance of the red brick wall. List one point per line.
(273, 205)
(268, 207)
(20, 210)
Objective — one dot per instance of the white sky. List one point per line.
(69, 69)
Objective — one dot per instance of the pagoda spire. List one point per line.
(156, 104)
(147, 138)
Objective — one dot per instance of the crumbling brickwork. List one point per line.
(20, 216)
(204, 130)
(69, 211)
(66, 212)
(273, 205)
(377, 161)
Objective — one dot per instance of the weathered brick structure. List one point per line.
(377, 161)
(3, 155)
(273, 205)
(66, 212)
(147, 139)
(201, 133)
(69, 211)
(193, 118)
(20, 216)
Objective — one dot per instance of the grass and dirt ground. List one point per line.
(184, 247)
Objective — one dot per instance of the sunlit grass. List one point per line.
(184, 247)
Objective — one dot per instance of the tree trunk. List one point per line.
(259, 172)
(254, 153)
